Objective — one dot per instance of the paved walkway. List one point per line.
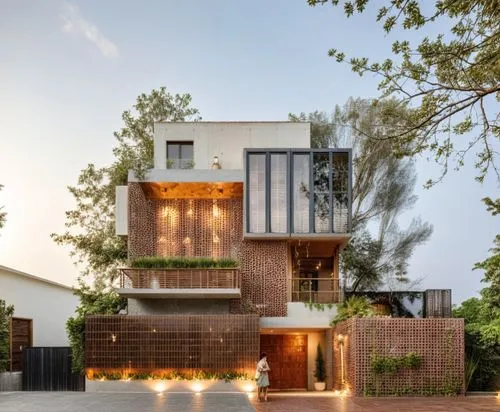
(231, 402)
(122, 402)
(303, 402)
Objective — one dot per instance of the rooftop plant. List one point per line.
(354, 307)
(161, 262)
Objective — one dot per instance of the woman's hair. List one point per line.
(263, 355)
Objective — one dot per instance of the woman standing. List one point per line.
(262, 376)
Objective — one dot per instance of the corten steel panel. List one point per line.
(185, 343)
(439, 342)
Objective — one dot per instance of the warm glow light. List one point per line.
(102, 379)
(197, 387)
(336, 393)
(216, 239)
(190, 212)
(340, 338)
(160, 387)
(216, 211)
(250, 395)
(187, 241)
(248, 387)
(197, 393)
(113, 337)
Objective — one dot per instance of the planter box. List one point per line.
(11, 381)
(156, 386)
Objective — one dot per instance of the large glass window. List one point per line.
(180, 155)
(313, 193)
(301, 193)
(279, 204)
(321, 170)
(340, 179)
(257, 193)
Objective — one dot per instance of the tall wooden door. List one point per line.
(21, 337)
(287, 358)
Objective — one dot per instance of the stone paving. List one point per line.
(122, 402)
(303, 402)
(232, 402)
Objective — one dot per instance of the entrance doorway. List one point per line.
(21, 336)
(287, 357)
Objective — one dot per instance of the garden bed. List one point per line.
(159, 386)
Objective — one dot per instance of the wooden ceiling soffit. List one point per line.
(193, 190)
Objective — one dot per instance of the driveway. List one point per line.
(122, 402)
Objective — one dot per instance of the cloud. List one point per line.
(75, 23)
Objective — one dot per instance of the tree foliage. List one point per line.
(451, 81)
(353, 307)
(6, 311)
(482, 317)
(383, 188)
(3, 215)
(92, 302)
(90, 226)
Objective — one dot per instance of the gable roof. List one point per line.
(27, 275)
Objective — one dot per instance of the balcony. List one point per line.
(180, 283)
(316, 290)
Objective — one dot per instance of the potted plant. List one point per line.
(320, 372)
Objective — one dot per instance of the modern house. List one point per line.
(41, 309)
(253, 193)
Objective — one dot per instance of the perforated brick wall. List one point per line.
(439, 343)
(184, 343)
(204, 227)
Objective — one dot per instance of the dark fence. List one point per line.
(49, 369)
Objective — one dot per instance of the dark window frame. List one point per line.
(290, 152)
(180, 159)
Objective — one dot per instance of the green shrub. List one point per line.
(354, 307)
(160, 262)
(320, 372)
(391, 364)
(92, 302)
(5, 313)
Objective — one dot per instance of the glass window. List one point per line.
(340, 182)
(278, 193)
(321, 170)
(180, 155)
(257, 193)
(301, 193)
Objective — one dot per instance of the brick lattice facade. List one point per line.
(439, 342)
(184, 343)
(205, 227)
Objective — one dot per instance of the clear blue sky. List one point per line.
(69, 69)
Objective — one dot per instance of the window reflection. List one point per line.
(321, 170)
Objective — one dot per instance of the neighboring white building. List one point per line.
(48, 304)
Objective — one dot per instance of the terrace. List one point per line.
(208, 279)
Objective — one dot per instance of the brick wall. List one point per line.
(204, 227)
(439, 342)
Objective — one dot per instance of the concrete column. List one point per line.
(329, 358)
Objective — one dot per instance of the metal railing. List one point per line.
(317, 290)
(180, 278)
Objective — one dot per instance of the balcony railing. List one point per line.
(180, 278)
(317, 290)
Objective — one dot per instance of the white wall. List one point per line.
(121, 211)
(48, 304)
(227, 140)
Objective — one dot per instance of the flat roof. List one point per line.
(27, 275)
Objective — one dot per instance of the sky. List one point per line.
(68, 69)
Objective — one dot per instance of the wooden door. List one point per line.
(287, 358)
(21, 336)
